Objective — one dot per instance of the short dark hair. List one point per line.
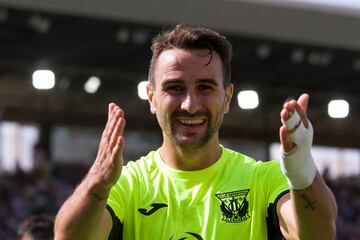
(38, 227)
(188, 37)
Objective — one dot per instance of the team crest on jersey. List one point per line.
(234, 206)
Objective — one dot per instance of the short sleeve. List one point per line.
(273, 181)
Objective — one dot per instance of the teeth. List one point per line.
(191, 121)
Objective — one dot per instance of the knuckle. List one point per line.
(106, 135)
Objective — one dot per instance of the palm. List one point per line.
(107, 167)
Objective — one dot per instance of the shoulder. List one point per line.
(144, 165)
(239, 160)
(236, 158)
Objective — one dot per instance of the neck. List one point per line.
(190, 159)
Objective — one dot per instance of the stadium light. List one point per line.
(248, 99)
(92, 85)
(43, 79)
(142, 90)
(338, 108)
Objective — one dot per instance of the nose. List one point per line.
(191, 102)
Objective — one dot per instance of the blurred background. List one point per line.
(62, 62)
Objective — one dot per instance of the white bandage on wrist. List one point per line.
(298, 165)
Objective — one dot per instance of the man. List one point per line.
(192, 187)
(37, 227)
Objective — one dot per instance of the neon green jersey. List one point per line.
(232, 199)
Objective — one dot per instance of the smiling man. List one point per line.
(192, 187)
(189, 98)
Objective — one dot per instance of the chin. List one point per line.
(190, 143)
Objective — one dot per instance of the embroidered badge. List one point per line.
(234, 206)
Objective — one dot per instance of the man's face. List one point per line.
(188, 96)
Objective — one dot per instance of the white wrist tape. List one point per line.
(298, 165)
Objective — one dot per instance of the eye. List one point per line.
(174, 88)
(204, 87)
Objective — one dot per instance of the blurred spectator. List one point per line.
(38, 227)
(24, 194)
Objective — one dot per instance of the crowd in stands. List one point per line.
(42, 191)
(347, 193)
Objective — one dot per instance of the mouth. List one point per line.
(191, 122)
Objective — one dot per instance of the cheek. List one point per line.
(165, 106)
(215, 103)
(169, 103)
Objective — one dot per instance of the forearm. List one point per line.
(315, 210)
(82, 216)
(310, 210)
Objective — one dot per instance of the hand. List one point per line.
(106, 169)
(288, 109)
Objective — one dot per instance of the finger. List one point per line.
(117, 151)
(122, 126)
(288, 99)
(114, 113)
(290, 106)
(285, 114)
(285, 140)
(302, 106)
(117, 131)
(111, 108)
(303, 102)
(118, 114)
(114, 117)
(284, 133)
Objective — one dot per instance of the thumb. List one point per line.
(285, 140)
(303, 102)
(302, 106)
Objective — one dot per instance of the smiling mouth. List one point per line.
(191, 122)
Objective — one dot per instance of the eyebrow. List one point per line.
(208, 81)
(171, 80)
(202, 80)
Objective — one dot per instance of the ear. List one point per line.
(150, 94)
(228, 96)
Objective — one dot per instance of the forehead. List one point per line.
(188, 64)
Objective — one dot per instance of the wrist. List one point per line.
(96, 190)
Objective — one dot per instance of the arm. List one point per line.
(308, 211)
(84, 214)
